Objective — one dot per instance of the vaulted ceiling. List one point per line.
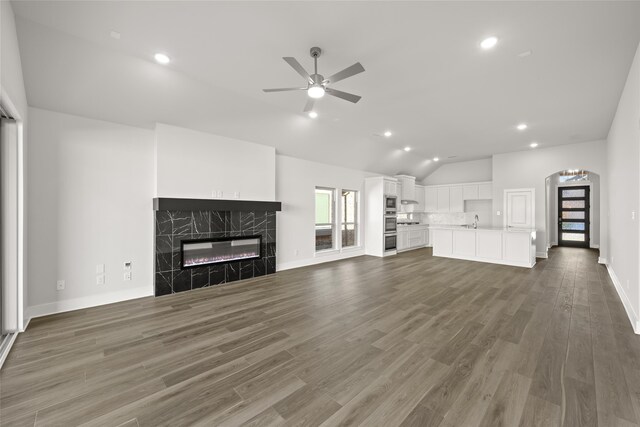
(426, 79)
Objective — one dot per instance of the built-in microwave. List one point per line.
(390, 203)
(390, 242)
(390, 223)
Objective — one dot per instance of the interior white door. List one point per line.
(519, 209)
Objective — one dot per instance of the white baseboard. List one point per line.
(631, 314)
(602, 260)
(542, 254)
(86, 302)
(594, 246)
(320, 259)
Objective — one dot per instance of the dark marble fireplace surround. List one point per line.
(185, 219)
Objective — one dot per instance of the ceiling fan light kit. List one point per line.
(317, 85)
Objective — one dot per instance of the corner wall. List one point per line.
(456, 173)
(623, 154)
(529, 169)
(296, 181)
(90, 202)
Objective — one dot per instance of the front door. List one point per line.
(573, 216)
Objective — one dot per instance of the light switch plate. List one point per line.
(100, 269)
(60, 285)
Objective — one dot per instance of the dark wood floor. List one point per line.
(410, 340)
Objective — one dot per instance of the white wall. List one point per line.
(296, 181)
(529, 169)
(192, 164)
(90, 202)
(623, 155)
(455, 173)
(13, 97)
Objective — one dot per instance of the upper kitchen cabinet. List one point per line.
(485, 191)
(420, 198)
(390, 187)
(451, 198)
(442, 199)
(470, 192)
(430, 199)
(456, 201)
(479, 191)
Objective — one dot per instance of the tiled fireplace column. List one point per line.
(189, 219)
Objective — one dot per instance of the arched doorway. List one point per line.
(573, 209)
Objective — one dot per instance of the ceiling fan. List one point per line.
(317, 85)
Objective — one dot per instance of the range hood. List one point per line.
(408, 196)
(408, 202)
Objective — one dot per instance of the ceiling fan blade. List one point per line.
(347, 72)
(309, 105)
(296, 66)
(344, 95)
(284, 89)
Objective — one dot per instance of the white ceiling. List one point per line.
(427, 80)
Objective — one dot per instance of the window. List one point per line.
(325, 219)
(349, 218)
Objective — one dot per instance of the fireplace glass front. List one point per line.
(196, 253)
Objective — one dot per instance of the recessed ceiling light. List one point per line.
(407, 148)
(161, 58)
(522, 126)
(115, 35)
(388, 133)
(489, 42)
(435, 159)
(533, 145)
(313, 114)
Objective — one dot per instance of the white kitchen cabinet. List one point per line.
(464, 242)
(470, 192)
(402, 242)
(430, 199)
(485, 191)
(442, 242)
(489, 244)
(442, 199)
(420, 198)
(456, 200)
(390, 187)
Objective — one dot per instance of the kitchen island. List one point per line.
(495, 245)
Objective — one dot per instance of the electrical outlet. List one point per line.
(127, 275)
(220, 194)
(236, 194)
(633, 215)
(100, 269)
(297, 251)
(100, 279)
(60, 285)
(498, 213)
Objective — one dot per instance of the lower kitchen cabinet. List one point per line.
(412, 237)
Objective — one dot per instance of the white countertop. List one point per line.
(480, 228)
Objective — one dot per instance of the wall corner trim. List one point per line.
(631, 314)
(86, 302)
(542, 254)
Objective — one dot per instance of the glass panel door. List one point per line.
(573, 216)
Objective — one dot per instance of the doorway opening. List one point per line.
(573, 209)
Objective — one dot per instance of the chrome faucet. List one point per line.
(475, 221)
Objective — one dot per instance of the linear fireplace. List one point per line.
(200, 252)
(224, 249)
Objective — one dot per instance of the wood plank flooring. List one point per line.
(410, 340)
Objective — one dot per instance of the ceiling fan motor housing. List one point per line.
(315, 52)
